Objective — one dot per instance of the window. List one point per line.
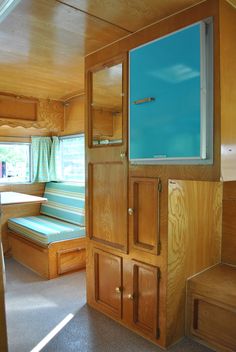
(15, 162)
(72, 149)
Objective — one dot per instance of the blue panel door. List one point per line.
(166, 126)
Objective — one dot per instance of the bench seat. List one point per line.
(54, 242)
(211, 302)
(44, 230)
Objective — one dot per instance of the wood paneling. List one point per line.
(144, 214)
(42, 48)
(17, 107)
(228, 90)
(123, 13)
(108, 203)
(49, 261)
(211, 307)
(194, 241)
(50, 116)
(188, 237)
(11, 211)
(145, 298)
(229, 223)
(74, 116)
(205, 9)
(108, 282)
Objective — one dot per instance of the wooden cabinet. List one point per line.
(129, 211)
(141, 297)
(164, 125)
(108, 282)
(127, 290)
(144, 212)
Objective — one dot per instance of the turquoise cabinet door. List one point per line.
(165, 97)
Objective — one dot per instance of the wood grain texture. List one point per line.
(49, 261)
(43, 44)
(124, 12)
(102, 57)
(108, 203)
(16, 107)
(74, 116)
(229, 223)
(108, 282)
(183, 172)
(50, 116)
(194, 241)
(213, 318)
(144, 226)
(228, 90)
(11, 211)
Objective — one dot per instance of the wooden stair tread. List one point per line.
(218, 282)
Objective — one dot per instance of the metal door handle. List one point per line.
(144, 100)
(130, 211)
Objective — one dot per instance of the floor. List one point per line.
(38, 309)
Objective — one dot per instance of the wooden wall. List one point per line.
(228, 90)
(74, 116)
(229, 223)
(50, 117)
(194, 241)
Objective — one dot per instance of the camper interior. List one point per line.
(117, 175)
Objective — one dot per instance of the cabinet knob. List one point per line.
(131, 296)
(122, 155)
(130, 211)
(118, 289)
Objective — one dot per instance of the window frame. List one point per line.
(70, 136)
(30, 163)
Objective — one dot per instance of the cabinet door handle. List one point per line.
(118, 289)
(144, 100)
(131, 296)
(130, 211)
(122, 155)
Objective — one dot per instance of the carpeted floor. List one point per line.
(35, 307)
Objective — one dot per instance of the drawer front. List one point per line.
(215, 323)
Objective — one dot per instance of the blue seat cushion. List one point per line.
(44, 229)
(65, 202)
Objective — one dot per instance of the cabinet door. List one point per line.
(144, 214)
(108, 282)
(141, 297)
(167, 101)
(106, 153)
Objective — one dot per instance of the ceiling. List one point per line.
(43, 42)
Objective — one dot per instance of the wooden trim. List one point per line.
(134, 224)
(3, 325)
(195, 313)
(40, 247)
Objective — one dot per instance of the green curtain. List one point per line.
(46, 159)
(55, 170)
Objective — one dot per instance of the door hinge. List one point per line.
(158, 333)
(159, 186)
(159, 248)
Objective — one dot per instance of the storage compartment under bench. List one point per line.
(211, 300)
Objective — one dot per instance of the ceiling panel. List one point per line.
(43, 42)
(42, 45)
(131, 14)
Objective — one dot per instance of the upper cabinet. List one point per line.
(106, 104)
(170, 98)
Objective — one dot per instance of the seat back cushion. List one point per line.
(65, 202)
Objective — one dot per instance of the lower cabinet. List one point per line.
(128, 290)
(108, 282)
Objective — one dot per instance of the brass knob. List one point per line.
(122, 155)
(130, 296)
(118, 289)
(130, 211)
